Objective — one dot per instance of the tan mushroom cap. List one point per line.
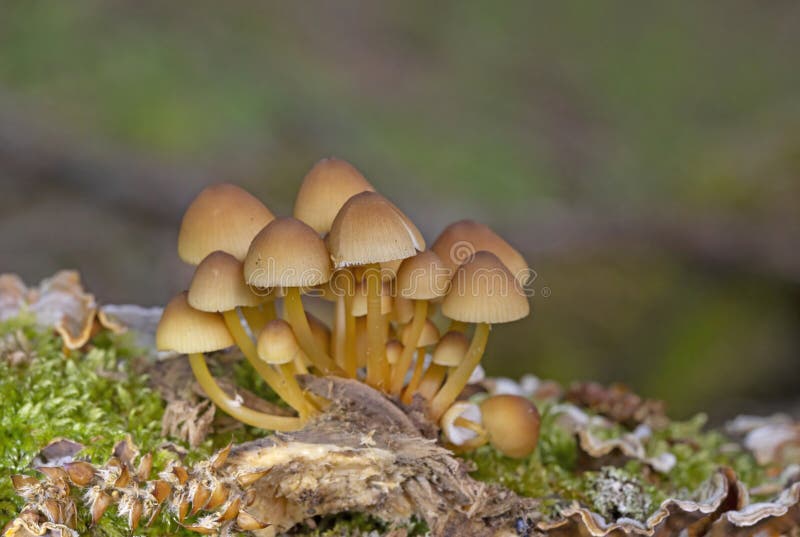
(512, 423)
(287, 253)
(222, 217)
(451, 349)
(460, 240)
(218, 285)
(393, 351)
(429, 335)
(360, 299)
(483, 290)
(370, 229)
(325, 188)
(423, 277)
(277, 343)
(187, 330)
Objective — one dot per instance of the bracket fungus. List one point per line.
(353, 247)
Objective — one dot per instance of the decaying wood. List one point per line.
(365, 454)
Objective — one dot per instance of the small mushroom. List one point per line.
(482, 291)
(512, 423)
(420, 278)
(278, 347)
(187, 330)
(218, 285)
(369, 230)
(428, 336)
(289, 254)
(448, 354)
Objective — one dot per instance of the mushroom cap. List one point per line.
(277, 343)
(218, 284)
(187, 330)
(222, 217)
(360, 299)
(423, 277)
(451, 349)
(429, 335)
(484, 291)
(402, 309)
(512, 423)
(393, 351)
(325, 188)
(461, 240)
(287, 253)
(370, 229)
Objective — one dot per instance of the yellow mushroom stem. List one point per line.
(416, 377)
(350, 338)
(286, 387)
(256, 319)
(459, 376)
(300, 364)
(376, 343)
(432, 380)
(404, 362)
(339, 323)
(296, 316)
(473, 443)
(457, 326)
(234, 407)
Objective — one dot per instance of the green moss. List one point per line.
(552, 472)
(93, 397)
(354, 525)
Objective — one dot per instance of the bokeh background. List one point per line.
(644, 156)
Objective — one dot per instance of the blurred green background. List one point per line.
(644, 156)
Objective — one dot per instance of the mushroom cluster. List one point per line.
(408, 321)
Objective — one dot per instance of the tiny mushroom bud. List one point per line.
(448, 353)
(393, 350)
(277, 343)
(512, 423)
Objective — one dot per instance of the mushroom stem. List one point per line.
(339, 337)
(411, 389)
(404, 362)
(351, 338)
(296, 316)
(300, 365)
(432, 380)
(233, 407)
(376, 344)
(256, 319)
(457, 326)
(291, 393)
(464, 423)
(459, 376)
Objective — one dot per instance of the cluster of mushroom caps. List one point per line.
(354, 249)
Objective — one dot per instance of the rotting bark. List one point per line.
(366, 455)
